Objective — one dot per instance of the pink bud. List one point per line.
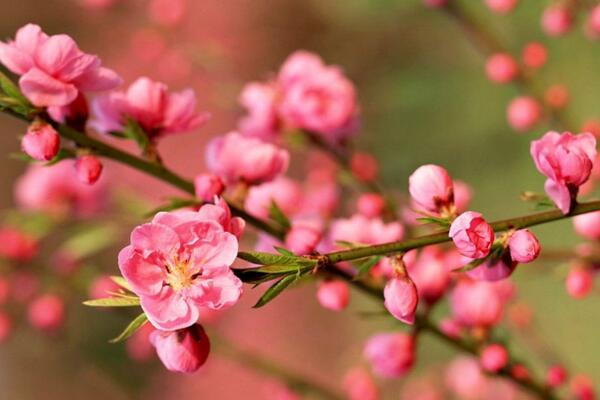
(493, 358)
(579, 282)
(451, 328)
(207, 186)
(46, 313)
(557, 20)
(472, 235)
(364, 166)
(593, 22)
(431, 187)
(520, 372)
(184, 350)
(431, 274)
(494, 269)
(557, 96)
(333, 295)
(501, 6)
(16, 245)
(391, 354)
(359, 385)
(592, 126)
(523, 113)
(6, 326)
(464, 377)
(501, 68)
(41, 142)
(476, 303)
(401, 298)
(588, 225)
(582, 388)
(302, 239)
(524, 246)
(556, 376)
(88, 169)
(371, 205)
(534, 55)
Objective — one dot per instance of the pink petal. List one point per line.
(559, 194)
(108, 111)
(43, 90)
(144, 277)
(215, 247)
(180, 112)
(148, 96)
(29, 38)
(98, 79)
(169, 310)
(14, 59)
(60, 57)
(150, 238)
(219, 288)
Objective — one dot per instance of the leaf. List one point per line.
(444, 222)
(11, 90)
(130, 329)
(119, 280)
(366, 266)
(90, 240)
(277, 215)
(134, 131)
(275, 290)
(284, 252)
(260, 258)
(174, 203)
(123, 301)
(252, 276)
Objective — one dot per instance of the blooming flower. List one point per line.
(182, 351)
(151, 105)
(391, 354)
(472, 235)
(179, 263)
(262, 121)
(567, 162)
(52, 68)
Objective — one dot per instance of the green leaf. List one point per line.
(130, 329)
(275, 290)
(122, 301)
(253, 276)
(260, 258)
(277, 215)
(284, 252)
(134, 131)
(174, 203)
(366, 266)
(443, 222)
(11, 90)
(119, 280)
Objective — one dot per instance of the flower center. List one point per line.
(179, 274)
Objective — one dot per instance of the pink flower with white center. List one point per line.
(391, 355)
(333, 295)
(158, 111)
(262, 120)
(476, 304)
(41, 142)
(493, 358)
(285, 192)
(431, 187)
(501, 68)
(179, 263)
(401, 298)
(524, 246)
(183, 350)
(472, 235)
(238, 158)
(317, 97)
(588, 225)
(52, 68)
(567, 161)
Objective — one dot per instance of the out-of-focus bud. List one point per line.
(16, 245)
(370, 205)
(364, 166)
(501, 6)
(476, 304)
(582, 387)
(534, 55)
(588, 225)
(41, 142)
(184, 350)
(557, 20)
(472, 235)
(302, 239)
(523, 113)
(557, 96)
(593, 23)
(359, 385)
(333, 295)
(46, 313)
(88, 168)
(391, 354)
(501, 68)
(524, 246)
(493, 358)
(207, 186)
(138, 346)
(556, 376)
(579, 282)
(462, 196)
(102, 287)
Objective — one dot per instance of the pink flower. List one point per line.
(333, 295)
(580, 281)
(523, 113)
(370, 205)
(53, 70)
(359, 385)
(588, 225)
(476, 304)
(472, 235)
(431, 187)
(207, 186)
(302, 238)
(401, 298)
(501, 68)
(262, 120)
(285, 192)
(359, 229)
(183, 350)
(237, 158)
(88, 169)
(534, 55)
(431, 274)
(524, 246)
(493, 358)
(16, 245)
(41, 142)
(316, 97)
(151, 105)
(179, 263)
(391, 354)
(556, 376)
(567, 162)
(464, 378)
(557, 20)
(501, 6)
(46, 313)
(221, 213)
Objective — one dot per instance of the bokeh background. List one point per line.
(424, 98)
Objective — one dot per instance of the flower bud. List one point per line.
(557, 96)
(207, 186)
(593, 23)
(523, 113)
(524, 246)
(41, 142)
(364, 167)
(6, 326)
(520, 372)
(302, 239)
(333, 295)
(371, 205)
(501, 6)
(582, 388)
(450, 327)
(588, 225)
(556, 376)
(476, 304)
(46, 313)
(557, 20)
(472, 235)
(102, 287)
(431, 187)
(501, 68)
(579, 282)
(391, 354)
(88, 169)
(359, 385)
(493, 358)
(401, 298)
(184, 350)
(534, 55)
(16, 245)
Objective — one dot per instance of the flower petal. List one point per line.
(43, 90)
(144, 277)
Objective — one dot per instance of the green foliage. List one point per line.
(135, 132)
(131, 328)
(277, 215)
(260, 258)
(117, 301)
(276, 289)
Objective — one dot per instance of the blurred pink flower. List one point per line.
(46, 313)
(262, 120)
(391, 354)
(333, 294)
(285, 192)
(476, 303)
(16, 245)
(359, 385)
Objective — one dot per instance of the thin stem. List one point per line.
(268, 367)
